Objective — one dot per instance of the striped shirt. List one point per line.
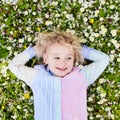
(58, 98)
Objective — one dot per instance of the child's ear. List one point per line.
(45, 59)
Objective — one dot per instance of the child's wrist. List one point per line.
(85, 50)
(31, 51)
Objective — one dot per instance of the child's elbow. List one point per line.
(107, 59)
(11, 66)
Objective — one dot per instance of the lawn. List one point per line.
(95, 22)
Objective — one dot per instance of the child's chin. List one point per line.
(61, 75)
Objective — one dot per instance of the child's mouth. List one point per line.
(61, 69)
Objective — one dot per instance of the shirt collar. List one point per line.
(49, 71)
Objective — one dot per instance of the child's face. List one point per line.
(60, 59)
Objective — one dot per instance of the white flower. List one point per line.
(102, 26)
(91, 38)
(31, 98)
(96, 13)
(82, 9)
(23, 85)
(21, 40)
(111, 70)
(96, 35)
(91, 118)
(29, 10)
(116, 16)
(86, 34)
(10, 1)
(11, 32)
(80, 1)
(34, 0)
(68, 30)
(85, 19)
(112, 6)
(108, 109)
(18, 106)
(101, 80)
(20, 21)
(103, 30)
(3, 71)
(26, 13)
(109, 44)
(114, 41)
(101, 19)
(9, 48)
(14, 117)
(90, 109)
(28, 28)
(80, 66)
(90, 99)
(39, 20)
(112, 51)
(69, 16)
(113, 32)
(29, 39)
(87, 4)
(102, 2)
(57, 15)
(103, 94)
(15, 53)
(46, 15)
(48, 22)
(10, 38)
(83, 40)
(97, 116)
(102, 101)
(93, 34)
(101, 118)
(72, 31)
(64, 12)
(74, 0)
(118, 59)
(2, 26)
(89, 27)
(34, 13)
(111, 58)
(117, 45)
(112, 116)
(98, 88)
(55, 3)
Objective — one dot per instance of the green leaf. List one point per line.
(3, 52)
(102, 14)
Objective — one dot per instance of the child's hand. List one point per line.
(35, 47)
(37, 50)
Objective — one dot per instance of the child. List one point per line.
(59, 88)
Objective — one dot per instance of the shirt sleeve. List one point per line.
(17, 66)
(99, 60)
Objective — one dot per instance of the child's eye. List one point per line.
(69, 58)
(57, 58)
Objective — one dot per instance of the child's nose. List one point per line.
(63, 63)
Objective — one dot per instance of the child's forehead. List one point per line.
(57, 47)
(60, 45)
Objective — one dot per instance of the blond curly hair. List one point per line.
(44, 40)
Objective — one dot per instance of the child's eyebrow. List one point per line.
(56, 54)
(70, 54)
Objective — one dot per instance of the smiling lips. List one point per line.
(61, 69)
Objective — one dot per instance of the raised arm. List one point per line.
(100, 61)
(17, 66)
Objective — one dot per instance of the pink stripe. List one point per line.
(74, 104)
